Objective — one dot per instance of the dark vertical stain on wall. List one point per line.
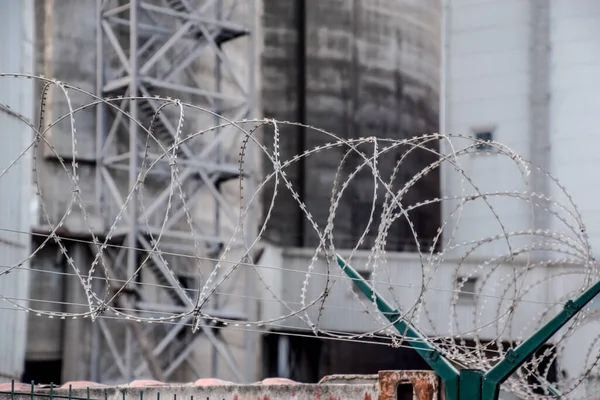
(301, 110)
(360, 80)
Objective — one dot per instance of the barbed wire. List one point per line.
(493, 283)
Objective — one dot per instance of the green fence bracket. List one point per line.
(426, 350)
(515, 358)
(468, 383)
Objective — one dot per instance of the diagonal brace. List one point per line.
(515, 358)
(426, 350)
(472, 384)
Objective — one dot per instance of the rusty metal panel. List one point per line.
(425, 384)
(387, 385)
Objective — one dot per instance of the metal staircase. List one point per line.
(172, 36)
(223, 34)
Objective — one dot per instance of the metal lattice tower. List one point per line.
(182, 49)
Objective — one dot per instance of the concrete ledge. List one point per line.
(384, 386)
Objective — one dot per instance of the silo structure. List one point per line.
(356, 69)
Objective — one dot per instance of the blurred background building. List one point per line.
(523, 73)
(356, 69)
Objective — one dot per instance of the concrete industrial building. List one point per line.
(111, 49)
(299, 54)
(357, 69)
(524, 72)
(15, 242)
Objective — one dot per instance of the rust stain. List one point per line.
(422, 389)
(383, 386)
(387, 385)
(424, 384)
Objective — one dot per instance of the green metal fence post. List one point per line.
(470, 384)
(426, 350)
(515, 358)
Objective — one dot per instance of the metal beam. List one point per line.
(165, 47)
(182, 356)
(143, 28)
(217, 141)
(220, 313)
(192, 17)
(110, 342)
(114, 11)
(165, 121)
(165, 342)
(114, 41)
(190, 90)
(419, 342)
(173, 234)
(471, 384)
(134, 327)
(134, 73)
(182, 64)
(184, 297)
(133, 165)
(201, 163)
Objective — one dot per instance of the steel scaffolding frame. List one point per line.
(133, 32)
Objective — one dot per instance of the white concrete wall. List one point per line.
(575, 137)
(575, 105)
(488, 78)
(486, 86)
(401, 279)
(16, 42)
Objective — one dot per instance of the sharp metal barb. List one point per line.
(472, 300)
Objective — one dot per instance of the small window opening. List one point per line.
(404, 391)
(366, 275)
(466, 289)
(484, 138)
